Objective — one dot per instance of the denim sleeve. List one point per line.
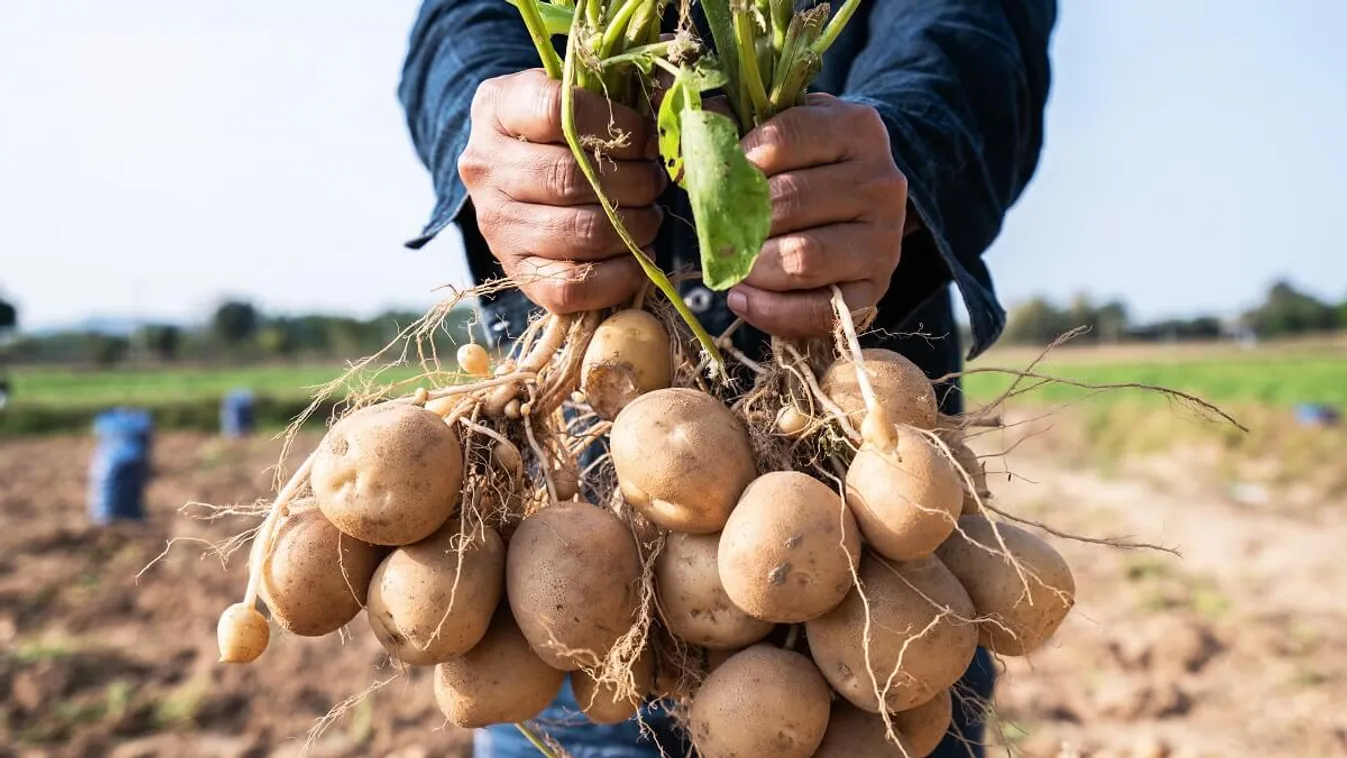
(455, 45)
(962, 86)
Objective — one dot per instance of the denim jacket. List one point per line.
(960, 84)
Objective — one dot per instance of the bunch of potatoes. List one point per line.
(882, 587)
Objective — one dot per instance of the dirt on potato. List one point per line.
(1234, 649)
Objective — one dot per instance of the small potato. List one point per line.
(788, 550)
(389, 474)
(764, 701)
(499, 681)
(316, 578)
(1015, 623)
(682, 459)
(573, 581)
(922, 635)
(925, 726)
(602, 703)
(628, 356)
(905, 502)
(434, 599)
(692, 600)
(903, 389)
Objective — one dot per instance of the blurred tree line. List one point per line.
(236, 332)
(1284, 312)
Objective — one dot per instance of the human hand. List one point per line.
(536, 209)
(839, 207)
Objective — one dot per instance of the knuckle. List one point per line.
(484, 98)
(801, 256)
(587, 229)
(788, 196)
(547, 107)
(562, 179)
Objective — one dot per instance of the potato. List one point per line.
(692, 601)
(853, 733)
(788, 550)
(922, 637)
(500, 681)
(434, 599)
(905, 502)
(389, 474)
(1015, 624)
(628, 356)
(924, 727)
(903, 389)
(316, 578)
(968, 461)
(572, 577)
(601, 702)
(764, 701)
(682, 459)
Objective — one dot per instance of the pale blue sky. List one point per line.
(156, 156)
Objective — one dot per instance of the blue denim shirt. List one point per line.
(960, 84)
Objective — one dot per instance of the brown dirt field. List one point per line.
(1235, 649)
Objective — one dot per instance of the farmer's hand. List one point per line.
(536, 209)
(839, 205)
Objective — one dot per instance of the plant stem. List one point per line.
(719, 20)
(535, 740)
(617, 27)
(834, 28)
(655, 52)
(582, 158)
(533, 19)
(781, 11)
(748, 63)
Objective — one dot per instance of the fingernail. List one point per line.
(738, 302)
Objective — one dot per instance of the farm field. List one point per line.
(1234, 648)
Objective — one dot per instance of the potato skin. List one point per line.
(763, 701)
(409, 597)
(853, 733)
(389, 474)
(628, 357)
(704, 463)
(924, 727)
(572, 577)
(788, 550)
(997, 590)
(903, 389)
(500, 681)
(942, 642)
(316, 578)
(600, 702)
(905, 503)
(692, 600)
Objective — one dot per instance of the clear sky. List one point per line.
(156, 156)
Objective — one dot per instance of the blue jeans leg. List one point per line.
(564, 722)
(967, 733)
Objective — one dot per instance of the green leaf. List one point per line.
(706, 74)
(731, 202)
(671, 130)
(556, 18)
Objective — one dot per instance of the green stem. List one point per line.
(781, 11)
(748, 63)
(651, 270)
(719, 20)
(654, 52)
(617, 28)
(646, 18)
(535, 740)
(556, 18)
(834, 28)
(533, 19)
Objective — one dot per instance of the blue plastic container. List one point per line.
(237, 417)
(120, 469)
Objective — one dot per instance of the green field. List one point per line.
(50, 399)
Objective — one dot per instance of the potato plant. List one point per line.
(802, 551)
